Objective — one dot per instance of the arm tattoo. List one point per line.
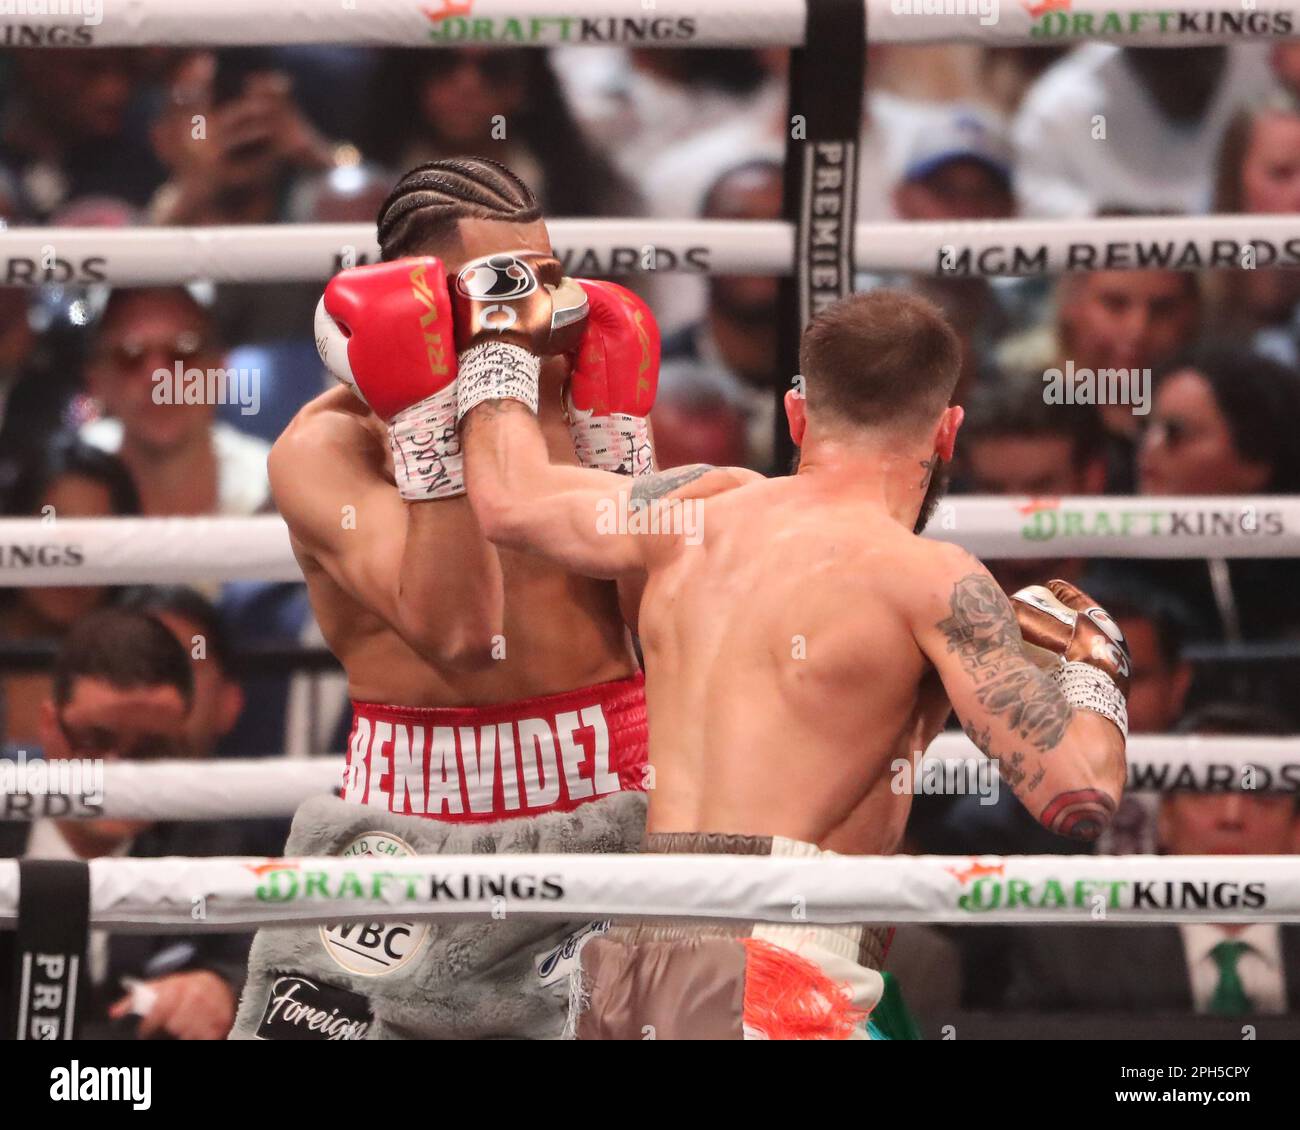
(982, 631)
(649, 487)
(1081, 814)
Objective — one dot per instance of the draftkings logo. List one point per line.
(283, 880)
(47, 555)
(1047, 519)
(988, 887)
(1053, 19)
(453, 21)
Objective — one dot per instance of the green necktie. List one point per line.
(1230, 997)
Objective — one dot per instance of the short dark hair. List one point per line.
(1260, 402)
(883, 357)
(758, 166)
(121, 297)
(188, 604)
(125, 649)
(427, 203)
(66, 456)
(1013, 405)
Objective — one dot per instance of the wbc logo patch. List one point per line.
(372, 949)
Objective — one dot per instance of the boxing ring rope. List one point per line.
(231, 789)
(180, 895)
(659, 23)
(116, 551)
(990, 248)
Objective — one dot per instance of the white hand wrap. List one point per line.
(496, 371)
(1090, 688)
(618, 443)
(427, 462)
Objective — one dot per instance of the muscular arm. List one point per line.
(570, 515)
(424, 568)
(1065, 765)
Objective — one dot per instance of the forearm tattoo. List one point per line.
(982, 631)
(488, 409)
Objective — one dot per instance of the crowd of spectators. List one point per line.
(117, 137)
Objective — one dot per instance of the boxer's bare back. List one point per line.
(784, 659)
(811, 642)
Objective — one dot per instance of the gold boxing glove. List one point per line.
(511, 309)
(1080, 646)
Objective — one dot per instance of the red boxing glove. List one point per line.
(614, 381)
(386, 332)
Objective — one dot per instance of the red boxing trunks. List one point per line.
(514, 759)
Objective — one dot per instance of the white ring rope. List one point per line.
(230, 789)
(992, 248)
(114, 551)
(211, 789)
(188, 895)
(665, 23)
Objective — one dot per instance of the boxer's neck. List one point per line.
(893, 477)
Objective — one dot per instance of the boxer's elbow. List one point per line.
(504, 519)
(466, 639)
(474, 652)
(1080, 813)
(1086, 787)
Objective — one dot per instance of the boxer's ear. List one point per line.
(796, 413)
(945, 438)
(230, 707)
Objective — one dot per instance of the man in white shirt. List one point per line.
(1130, 129)
(157, 371)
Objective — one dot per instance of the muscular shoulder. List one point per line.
(931, 573)
(334, 426)
(695, 480)
(329, 440)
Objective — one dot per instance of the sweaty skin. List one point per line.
(807, 640)
(418, 608)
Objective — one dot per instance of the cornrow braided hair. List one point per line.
(429, 200)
